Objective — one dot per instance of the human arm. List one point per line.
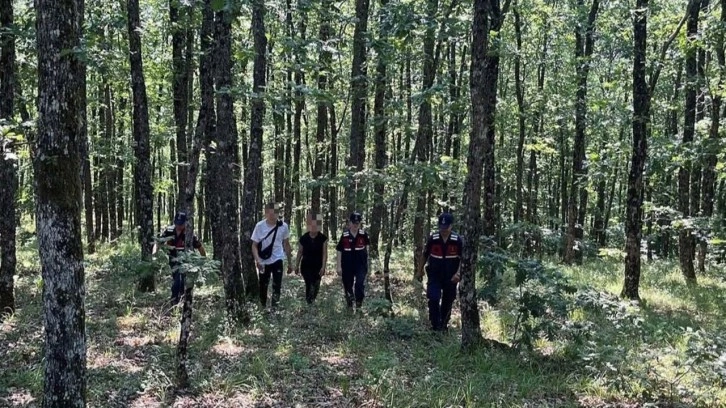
(339, 263)
(325, 258)
(298, 260)
(256, 255)
(288, 251)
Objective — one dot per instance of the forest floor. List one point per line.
(324, 356)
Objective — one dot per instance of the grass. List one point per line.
(324, 356)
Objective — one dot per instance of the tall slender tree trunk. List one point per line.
(686, 240)
(424, 137)
(642, 94)
(225, 188)
(712, 143)
(359, 94)
(488, 17)
(324, 61)
(521, 115)
(584, 42)
(253, 176)
(142, 146)
(180, 89)
(57, 171)
(8, 161)
(641, 118)
(380, 127)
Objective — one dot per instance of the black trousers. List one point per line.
(275, 271)
(312, 283)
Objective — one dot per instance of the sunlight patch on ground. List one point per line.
(227, 348)
(18, 397)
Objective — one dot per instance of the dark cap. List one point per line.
(355, 218)
(180, 218)
(445, 220)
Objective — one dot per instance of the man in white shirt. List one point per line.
(270, 244)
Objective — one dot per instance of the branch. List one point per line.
(666, 45)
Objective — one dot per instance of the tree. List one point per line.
(712, 144)
(686, 240)
(8, 161)
(380, 127)
(142, 149)
(253, 173)
(324, 62)
(180, 89)
(584, 43)
(642, 95)
(359, 94)
(224, 186)
(57, 170)
(484, 74)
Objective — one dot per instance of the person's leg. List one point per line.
(360, 285)
(308, 277)
(315, 287)
(177, 287)
(433, 292)
(276, 282)
(447, 300)
(348, 278)
(264, 283)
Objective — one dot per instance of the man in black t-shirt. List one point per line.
(353, 260)
(312, 256)
(175, 236)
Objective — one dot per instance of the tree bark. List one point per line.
(226, 188)
(8, 161)
(380, 127)
(686, 240)
(712, 143)
(488, 17)
(142, 148)
(521, 114)
(253, 180)
(56, 171)
(324, 62)
(584, 43)
(180, 89)
(359, 94)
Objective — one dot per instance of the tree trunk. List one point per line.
(488, 16)
(380, 127)
(180, 89)
(359, 94)
(519, 91)
(584, 42)
(324, 62)
(225, 188)
(253, 180)
(142, 148)
(8, 161)
(56, 171)
(425, 132)
(712, 143)
(686, 240)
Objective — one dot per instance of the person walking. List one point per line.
(312, 256)
(174, 237)
(270, 245)
(443, 256)
(352, 260)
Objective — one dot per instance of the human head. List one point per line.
(272, 210)
(180, 221)
(314, 221)
(354, 220)
(445, 222)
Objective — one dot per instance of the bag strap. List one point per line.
(272, 232)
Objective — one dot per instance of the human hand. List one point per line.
(456, 278)
(340, 271)
(322, 271)
(289, 269)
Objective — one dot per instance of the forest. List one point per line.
(576, 145)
